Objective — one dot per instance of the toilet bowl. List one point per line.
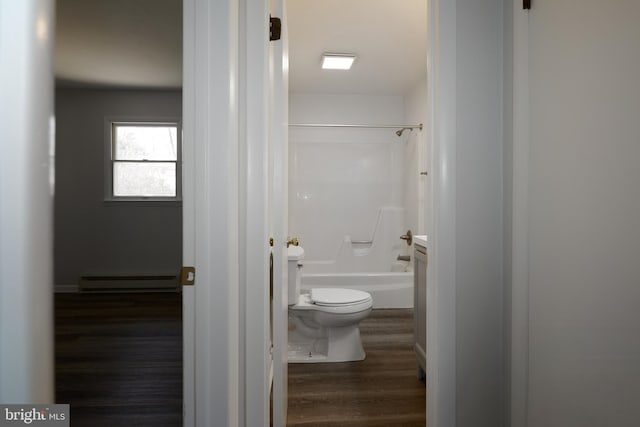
(323, 323)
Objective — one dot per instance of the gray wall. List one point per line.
(584, 214)
(507, 163)
(91, 236)
(479, 214)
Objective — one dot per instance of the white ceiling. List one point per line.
(138, 43)
(389, 38)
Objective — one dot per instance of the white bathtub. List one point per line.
(369, 264)
(389, 290)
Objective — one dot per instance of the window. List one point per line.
(144, 160)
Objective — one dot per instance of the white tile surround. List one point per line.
(342, 179)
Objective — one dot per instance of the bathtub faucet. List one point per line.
(407, 237)
(404, 258)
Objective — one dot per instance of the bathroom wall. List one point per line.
(94, 236)
(416, 149)
(340, 178)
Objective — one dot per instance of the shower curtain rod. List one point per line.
(333, 125)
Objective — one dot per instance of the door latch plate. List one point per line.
(187, 276)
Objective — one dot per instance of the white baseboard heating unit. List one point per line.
(129, 283)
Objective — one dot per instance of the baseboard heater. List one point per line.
(129, 283)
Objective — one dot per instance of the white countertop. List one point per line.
(420, 240)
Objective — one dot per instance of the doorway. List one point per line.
(386, 86)
(118, 205)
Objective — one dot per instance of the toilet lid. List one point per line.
(338, 296)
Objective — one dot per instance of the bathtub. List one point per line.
(388, 289)
(368, 263)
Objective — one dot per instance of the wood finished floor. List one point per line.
(382, 390)
(119, 363)
(119, 358)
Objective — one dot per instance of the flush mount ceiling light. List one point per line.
(337, 61)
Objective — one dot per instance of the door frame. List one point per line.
(441, 274)
(254, 211)
(279, 205)
(517, 400)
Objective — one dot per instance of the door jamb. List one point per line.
(519, 333)
(441, 274)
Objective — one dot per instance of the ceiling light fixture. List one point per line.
(337, 61)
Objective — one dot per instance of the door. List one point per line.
(213, 353)
(279, 154)
(583, 213)
(188, 217)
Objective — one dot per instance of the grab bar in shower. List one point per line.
(362, 242)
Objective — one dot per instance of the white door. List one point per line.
(278, 72)
(188, 215)
(212, 308)
(583, 213)
(226, 212)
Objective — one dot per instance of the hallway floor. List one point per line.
(382, 390)
(119, 358)
(119, 362)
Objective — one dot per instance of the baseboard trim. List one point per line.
(66, 289)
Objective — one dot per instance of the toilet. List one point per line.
(323, 323)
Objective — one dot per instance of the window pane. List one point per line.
(146, 179)
(135, 142)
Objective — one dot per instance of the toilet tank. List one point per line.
(295, 256)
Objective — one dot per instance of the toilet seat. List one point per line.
(305, 303)
(338, 297)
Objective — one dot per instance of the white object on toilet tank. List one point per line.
(295, 257)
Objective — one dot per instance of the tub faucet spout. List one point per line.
(404, 258)
(407, 237)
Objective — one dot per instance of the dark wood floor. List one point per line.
(119, 363)
(382, 390)
(119, 358)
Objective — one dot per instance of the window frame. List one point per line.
(109, 147)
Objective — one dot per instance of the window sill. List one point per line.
(141, 201)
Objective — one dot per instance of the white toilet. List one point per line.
(323, 323)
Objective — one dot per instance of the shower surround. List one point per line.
(346, 195)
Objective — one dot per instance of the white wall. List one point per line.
(479, 216)
(416, 152)
(26, 162)
(92, 236)
(584, 281)
(340, 178)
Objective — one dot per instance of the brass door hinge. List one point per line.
(187, 276)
